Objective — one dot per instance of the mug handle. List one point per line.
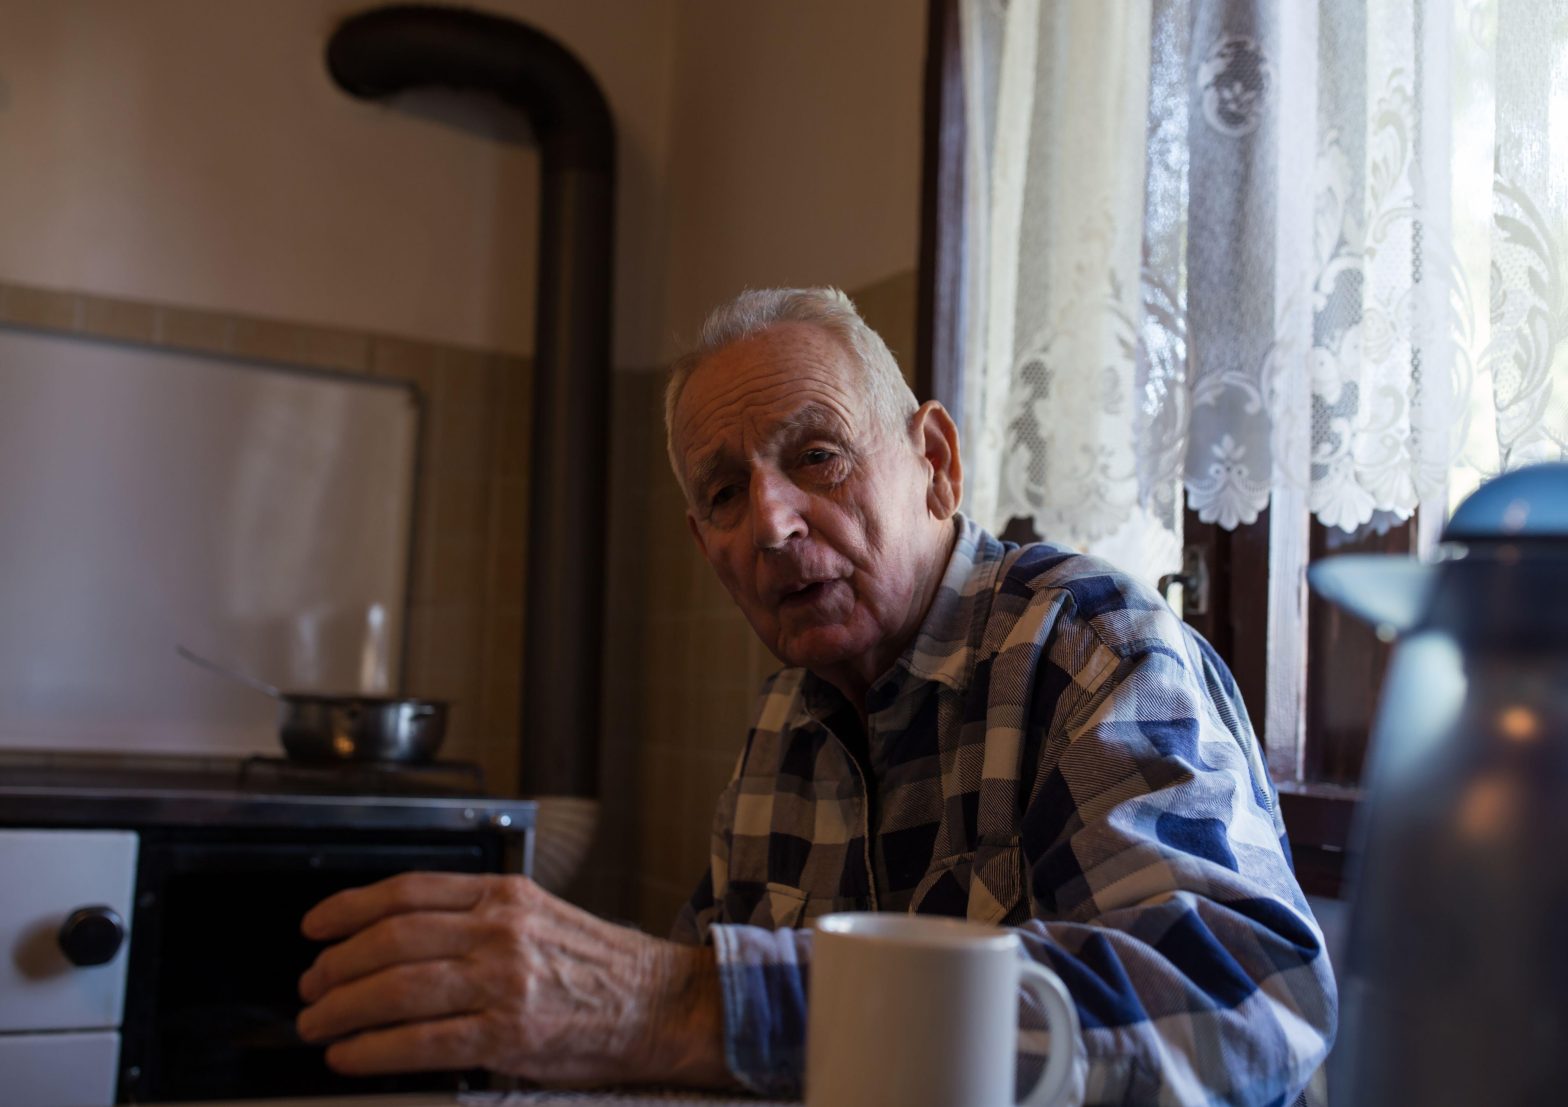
(1062, 1018)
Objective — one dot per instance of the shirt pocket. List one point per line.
(771, 905)
(776, 906)
(985, 885)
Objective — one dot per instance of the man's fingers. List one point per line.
(355, 908)
(412, 937)
(451, 1043)
(401, 994)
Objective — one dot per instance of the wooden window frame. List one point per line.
(943, 300)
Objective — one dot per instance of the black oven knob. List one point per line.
(92, 935)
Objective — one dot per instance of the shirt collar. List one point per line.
(944, 648)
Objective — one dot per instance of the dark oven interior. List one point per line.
(211, 997)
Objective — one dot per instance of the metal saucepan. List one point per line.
(347, 728)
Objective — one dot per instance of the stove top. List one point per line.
(389, 778)
(256, 773)
(40, 788)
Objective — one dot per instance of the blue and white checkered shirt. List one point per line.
(1058, 753)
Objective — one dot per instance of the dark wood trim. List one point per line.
(1347, 663)
(1319, 821)
(1248, 582)
(1320, 815)
(1319, 871)
(942, 307)
(1237, 621)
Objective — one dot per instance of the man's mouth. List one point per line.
(806, 594)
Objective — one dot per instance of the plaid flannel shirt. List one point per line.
(1058, 753)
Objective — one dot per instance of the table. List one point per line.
(628, 1098)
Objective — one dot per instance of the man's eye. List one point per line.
(723, 495)
(816, 457)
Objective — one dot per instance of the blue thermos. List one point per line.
(1454, 986)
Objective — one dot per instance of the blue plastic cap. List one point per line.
(1531, 502)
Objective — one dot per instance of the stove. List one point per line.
(174, 887)
(389, 778)
(86, 790)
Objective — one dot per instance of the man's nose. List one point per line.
(776, 511)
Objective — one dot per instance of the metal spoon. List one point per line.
(233, 674)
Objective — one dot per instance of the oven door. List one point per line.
(65, 910)
(218, 954)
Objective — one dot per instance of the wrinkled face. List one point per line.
(814, 518)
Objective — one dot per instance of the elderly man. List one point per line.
(1019, 735)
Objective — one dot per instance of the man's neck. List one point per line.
(854, 678)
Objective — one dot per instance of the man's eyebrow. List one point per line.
(706, 467)
(814, 417)
(808, 419)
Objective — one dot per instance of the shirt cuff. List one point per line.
(762, 976)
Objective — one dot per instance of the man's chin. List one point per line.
(821, 647)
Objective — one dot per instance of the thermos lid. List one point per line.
(1502, 572)
(1503, 585)
(1526, 503)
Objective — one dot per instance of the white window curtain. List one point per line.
(1255, 249)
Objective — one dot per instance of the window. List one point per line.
(1324, 259)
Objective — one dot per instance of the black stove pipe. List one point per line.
(389, 50)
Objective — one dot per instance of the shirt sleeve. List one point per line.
(762, 972)
(1157, 886)
(1160, 891)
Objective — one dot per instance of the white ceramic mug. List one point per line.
(922, 1011)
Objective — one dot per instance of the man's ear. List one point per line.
(936, 437)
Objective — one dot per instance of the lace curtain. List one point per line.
(1236, 249)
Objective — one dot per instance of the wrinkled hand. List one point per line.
(452, 971)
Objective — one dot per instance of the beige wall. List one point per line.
(795, 147)
(197, 153)
(193, 153)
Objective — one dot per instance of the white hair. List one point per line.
(888, 396)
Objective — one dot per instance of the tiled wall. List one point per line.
(466, 618)
(682, 665)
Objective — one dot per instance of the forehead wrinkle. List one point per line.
(743, 400)
(810, 418)
(748, 392)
